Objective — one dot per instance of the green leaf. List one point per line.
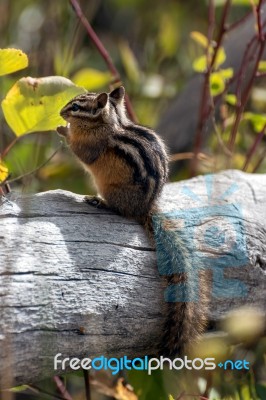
(171, 397)
(258, 121)
(199, 38)
(91, 79)
(231, 99)
(12, 60)
(217, 84)
(3, 171)
(262, 66)
(200, 64)
(227, 73)
(33, 104)
(220, 58)
(129, 61)
(18, 389)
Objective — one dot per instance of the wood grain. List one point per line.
(84, 282)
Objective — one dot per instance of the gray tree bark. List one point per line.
(84, 282)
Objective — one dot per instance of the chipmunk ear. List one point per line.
(118, 93)
(102, 100)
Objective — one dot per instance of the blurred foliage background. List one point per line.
(150, 44)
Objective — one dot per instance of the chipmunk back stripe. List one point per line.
(145, 133)
(146, 158)
(144, 153)
(137, 175)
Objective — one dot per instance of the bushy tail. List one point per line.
(187, 320)
(187, 288)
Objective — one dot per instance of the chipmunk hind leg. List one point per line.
(128, 201)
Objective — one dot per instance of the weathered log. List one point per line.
(84, 282)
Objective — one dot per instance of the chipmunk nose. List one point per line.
(63, 113)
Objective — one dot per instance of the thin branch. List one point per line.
(38, 390)
(259, 22)
(36, 169)
(222, 31)
(205, 93)
(260, 161)
(236, 24)
(242, 99)
(187, 156)
(205, 108)
(9, 147)
(87, 384)
(219, 138)
(253, 148)
(11, 144)
(62, 389)
(102, 50)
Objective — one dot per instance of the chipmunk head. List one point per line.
(93, 108)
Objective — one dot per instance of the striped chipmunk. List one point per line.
(129, 165)
(128, 162)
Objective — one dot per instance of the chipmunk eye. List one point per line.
(75, 107)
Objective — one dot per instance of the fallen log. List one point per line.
(84, 282)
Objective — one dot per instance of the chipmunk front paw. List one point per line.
(96, 202)
(62, 130)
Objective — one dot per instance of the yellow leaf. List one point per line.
(33, 104)
(199, 38)
(227, 73)
(216, 83)
(91, 79)
(3, 171)
(200, 64)
(12, 60)
(220, 58)
(258, 121)
(231, 99)
(262, 66)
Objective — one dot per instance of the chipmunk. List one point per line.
(129, 165)
(128, 162)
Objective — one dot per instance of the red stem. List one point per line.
(95, 39)
(259, 24)
(9, 147)
(87, 384)
(260, 161)
(102, 50)
(206, 109)
(239, 22)
(62, 389)
(244, 99)
(253, 148)
(222, 30)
